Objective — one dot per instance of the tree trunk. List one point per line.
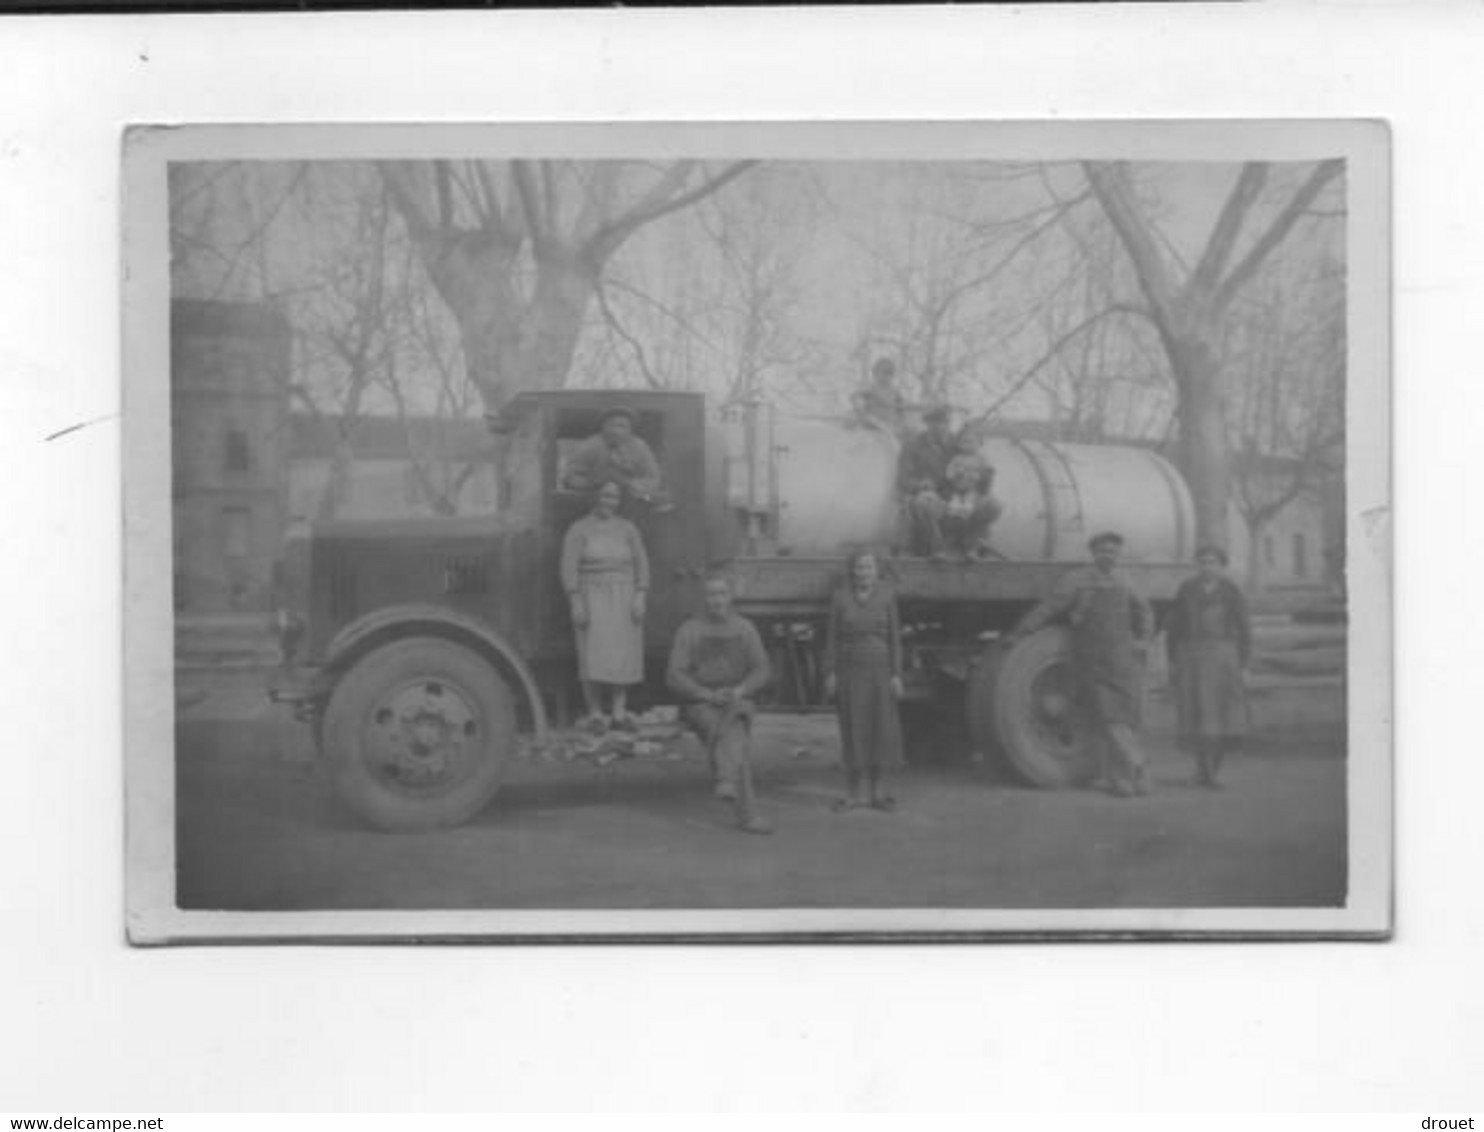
(1203, 453)
(1256, 527)
(510, 344)
(565, 285)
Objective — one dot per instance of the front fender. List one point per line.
(395, 621)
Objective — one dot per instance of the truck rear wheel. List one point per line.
(1022, 702)
(417, 734)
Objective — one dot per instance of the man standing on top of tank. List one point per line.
(614, 454)
(923, 482)
(1111, 628)
(718, 664)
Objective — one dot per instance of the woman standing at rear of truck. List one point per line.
(1209, 636)
(605, 572)
(863, 675)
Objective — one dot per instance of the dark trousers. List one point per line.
(726, 733)
(931, 528)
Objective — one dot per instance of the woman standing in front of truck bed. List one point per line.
(605, 572)
(863, 675)
(1209, 636)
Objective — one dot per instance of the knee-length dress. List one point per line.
(1210, 642)
(604, 561)
(864, 651)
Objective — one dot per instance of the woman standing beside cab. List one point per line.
(1210, 644)
(863, 675)
(605, 572)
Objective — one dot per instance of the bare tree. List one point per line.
(430, 362)
(1286, 380)
(343, 318)
(517, 248)
(1188, 308)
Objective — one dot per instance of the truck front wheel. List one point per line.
(1022, 702)
(417, 734)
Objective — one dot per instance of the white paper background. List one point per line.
(88, 1024)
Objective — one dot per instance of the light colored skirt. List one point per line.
(610, 650)
(1210, 697)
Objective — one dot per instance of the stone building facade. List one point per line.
(229, 373)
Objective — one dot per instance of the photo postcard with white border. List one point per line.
(814, 531)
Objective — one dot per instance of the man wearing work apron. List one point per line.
(1111, 627)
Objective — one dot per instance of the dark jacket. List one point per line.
(924, 464)
(709, 655)
(1183, 624)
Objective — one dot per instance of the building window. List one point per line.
(1267, 551)
(236, 532)
(238, 457)
(1300, 555)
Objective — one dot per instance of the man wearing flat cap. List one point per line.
(1111, 627)
(616, 455)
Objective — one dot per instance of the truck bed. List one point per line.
(783, 584)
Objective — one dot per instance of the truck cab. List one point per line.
(460, 624)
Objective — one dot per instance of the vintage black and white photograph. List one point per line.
(818, 531)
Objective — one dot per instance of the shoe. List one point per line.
(724, 792)
(626, 722)
(845, 805)
(886, 804)
(1121, 789)
(755, 824)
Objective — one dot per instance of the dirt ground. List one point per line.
(259, 829)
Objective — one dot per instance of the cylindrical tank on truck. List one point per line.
(833, 486)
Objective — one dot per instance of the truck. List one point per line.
(421, 650)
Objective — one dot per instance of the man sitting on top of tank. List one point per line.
(926, 488)
(614, 454)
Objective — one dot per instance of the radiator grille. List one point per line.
(465, 577)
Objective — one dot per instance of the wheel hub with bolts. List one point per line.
(1054, 704)
(419, 733)
(1023, 700)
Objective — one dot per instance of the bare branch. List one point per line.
(634, 344)
(399, 177)
(1110, 185)
(493, 208)
(1051, 352)
(549, 203)
(655, 205)
(1323, 173)
(260, 230)
(1057, 215)
(525, 189)
(445, 195)
(1229, 225)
